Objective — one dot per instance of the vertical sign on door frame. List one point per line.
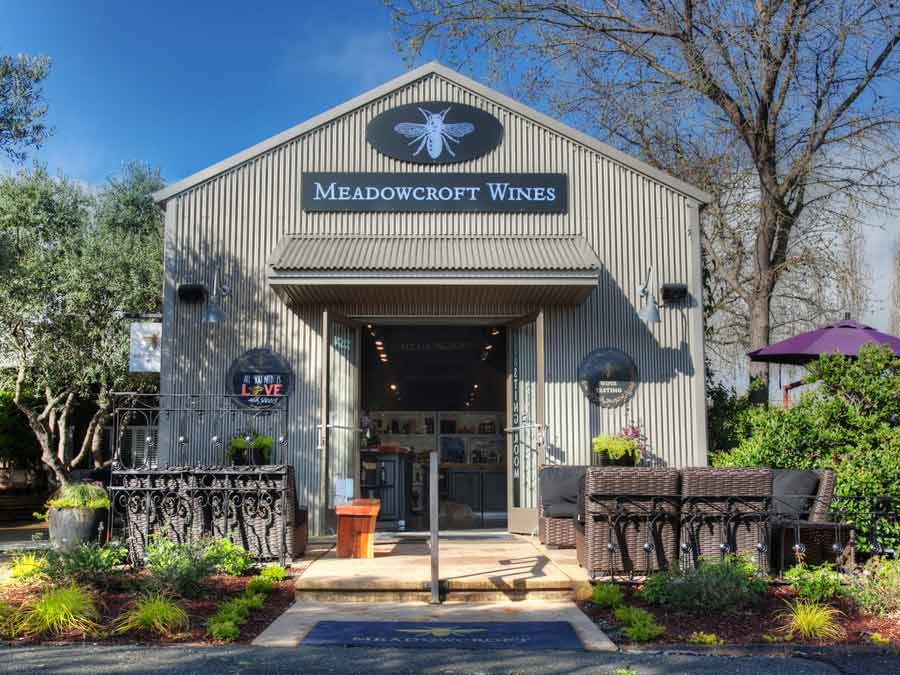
(517, 432)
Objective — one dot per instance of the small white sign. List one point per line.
(343, 491)
(146, 342)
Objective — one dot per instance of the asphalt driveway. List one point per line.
(97, 660)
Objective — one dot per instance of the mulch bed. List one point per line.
(742, 627)
(118, 596)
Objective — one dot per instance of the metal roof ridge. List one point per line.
(433, 68)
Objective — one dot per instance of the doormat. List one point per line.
(527, 635)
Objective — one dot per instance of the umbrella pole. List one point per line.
(787, 392)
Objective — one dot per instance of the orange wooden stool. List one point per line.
(356, 528)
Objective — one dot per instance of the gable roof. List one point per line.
(433, 68)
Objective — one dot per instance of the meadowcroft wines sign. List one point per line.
(435, 192)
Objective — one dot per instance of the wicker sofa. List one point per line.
(627, 521)
(559, 486)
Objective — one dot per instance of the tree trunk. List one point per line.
(760, 325)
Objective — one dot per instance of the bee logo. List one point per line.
(441, 632)
(435, 135)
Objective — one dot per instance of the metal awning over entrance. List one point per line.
(352, 269)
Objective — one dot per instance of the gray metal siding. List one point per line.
(235, 220)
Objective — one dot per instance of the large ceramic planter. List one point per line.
(603, 459)
(69, 528)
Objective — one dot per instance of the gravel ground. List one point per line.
(96, 660)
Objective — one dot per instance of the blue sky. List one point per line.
(182, 85)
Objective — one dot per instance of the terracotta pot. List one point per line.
(69, 528)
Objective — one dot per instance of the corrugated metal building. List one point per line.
(563, 283)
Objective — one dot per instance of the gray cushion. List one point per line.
(564, 510)
(559, 485)
(789, 490)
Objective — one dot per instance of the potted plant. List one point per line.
(259, 447)
(76, 513)
(624, 449)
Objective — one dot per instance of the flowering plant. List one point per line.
(629, 442)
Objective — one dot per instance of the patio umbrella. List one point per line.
(844, 337)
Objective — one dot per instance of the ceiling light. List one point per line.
(475, 386)
(392, 387)
(495, 331)
(379, 342)
(379, 347)
(488, 347)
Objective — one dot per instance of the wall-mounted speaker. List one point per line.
(191, 293)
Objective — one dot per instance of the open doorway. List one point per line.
(430, 387)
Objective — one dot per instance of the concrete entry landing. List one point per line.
(489, 567)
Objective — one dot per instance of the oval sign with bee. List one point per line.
(434, 132)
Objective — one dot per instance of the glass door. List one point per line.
(525, 419)
(340, 434)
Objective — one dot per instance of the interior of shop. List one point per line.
(439, 388)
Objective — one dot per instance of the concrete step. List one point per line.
(454, 590)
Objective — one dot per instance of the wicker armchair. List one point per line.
(725, 511)
(629, 521)
(806, 527)
(559, 486)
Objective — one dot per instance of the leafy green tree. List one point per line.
(21, 103)
(77, 266)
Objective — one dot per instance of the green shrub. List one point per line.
(847, 424)
(876, 588)
(819, 584)
(725, 585)
(154, 613)
(28, 567)
(228, 558)
(274, 572)
(223, 630)
(176, 569)
(79, 496)
(698, 637)
(616, 447)
(56, 611)
(259, 585)
(811, 621)
(89, 563)
(225, 624)
(607, 596)
(640, 625)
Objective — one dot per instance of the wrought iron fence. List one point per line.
(209, 467)
(253, 506)
(199, 429)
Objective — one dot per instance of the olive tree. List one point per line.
(76, 268)
(783, 108)
(21, 103)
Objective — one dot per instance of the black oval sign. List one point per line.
(434, 132)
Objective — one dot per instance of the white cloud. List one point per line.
(356, 58)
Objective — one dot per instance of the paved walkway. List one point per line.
(499, 563)
(95, 660)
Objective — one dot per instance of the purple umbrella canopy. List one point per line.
(844, 337)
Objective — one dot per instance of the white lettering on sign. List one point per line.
(499, 192)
